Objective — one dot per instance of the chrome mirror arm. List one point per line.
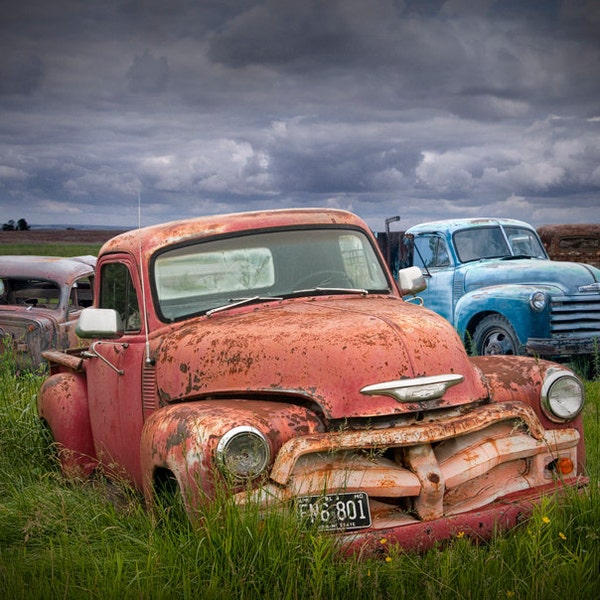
(93, 353)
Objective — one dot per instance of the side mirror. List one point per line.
(411, 281)
(101, 323)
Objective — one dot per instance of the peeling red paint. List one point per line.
(286, 377)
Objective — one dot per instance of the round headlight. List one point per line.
(562, 396)
(538, 301)
(243, 453)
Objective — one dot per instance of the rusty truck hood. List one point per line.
(319, 350)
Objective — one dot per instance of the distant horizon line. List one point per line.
(33, 226)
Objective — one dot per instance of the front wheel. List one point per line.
(495, 335)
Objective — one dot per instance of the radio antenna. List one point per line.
(148, 360)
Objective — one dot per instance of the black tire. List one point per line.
(495, 335)
(167, 496)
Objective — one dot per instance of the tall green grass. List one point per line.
(94, 539)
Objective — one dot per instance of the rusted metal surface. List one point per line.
(494, 439)
(41, 298)
(516, 379)
(158, 401)
(71, 361)
(572, 242)
(478, 525)
(65, 410)
(52, 268)
(242, 353)
(154, 238)
(182, 438)
(413, 435)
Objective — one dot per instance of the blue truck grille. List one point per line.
(575, 315)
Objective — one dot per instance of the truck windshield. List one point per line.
(196, 278)
(477, 243)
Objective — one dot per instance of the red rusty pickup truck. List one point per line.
(273, 353)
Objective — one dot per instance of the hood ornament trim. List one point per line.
(590, 289)
(415, 389)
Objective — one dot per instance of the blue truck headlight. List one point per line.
(538, 301)
(243, 453)
(562, 396)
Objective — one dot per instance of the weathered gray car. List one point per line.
(41, 298)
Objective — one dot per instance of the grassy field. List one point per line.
(54, 242)
(93, 539)
(58, 249)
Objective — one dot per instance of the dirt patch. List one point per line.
(58, 236)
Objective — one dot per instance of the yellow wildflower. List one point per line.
(460, 534)
(546, 520)
(561, 535)
(383, 541)
(388, 559)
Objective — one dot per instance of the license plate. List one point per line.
(335, 512)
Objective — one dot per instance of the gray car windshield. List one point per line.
(198, 278)
(33, 293)
(495, 242)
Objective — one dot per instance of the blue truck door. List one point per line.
(432, 256)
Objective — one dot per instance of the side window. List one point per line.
(81, 294)
(118, 292)
(431, 251)
(442, 257)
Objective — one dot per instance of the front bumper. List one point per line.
(562, 346)
(478, 525)
(432, 478)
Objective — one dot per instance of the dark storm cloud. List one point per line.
(148, 74)
(21, 74)
(419, 108)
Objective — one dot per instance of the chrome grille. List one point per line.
(575, 315)
(424, 471)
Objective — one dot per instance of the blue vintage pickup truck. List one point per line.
(492, 279)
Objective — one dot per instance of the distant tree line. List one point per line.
(20, 225)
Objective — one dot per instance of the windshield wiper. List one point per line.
(316, 291)
(323, 291)
(233, 302)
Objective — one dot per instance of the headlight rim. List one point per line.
(224, 443)
(552, 377)
(538, 301)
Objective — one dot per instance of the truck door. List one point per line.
(114, 375)
(432, 256)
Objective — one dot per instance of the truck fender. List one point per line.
(63, 406)
(510, 301)
(182, 440)
(518, 379)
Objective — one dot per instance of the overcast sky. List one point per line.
(419, 108)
